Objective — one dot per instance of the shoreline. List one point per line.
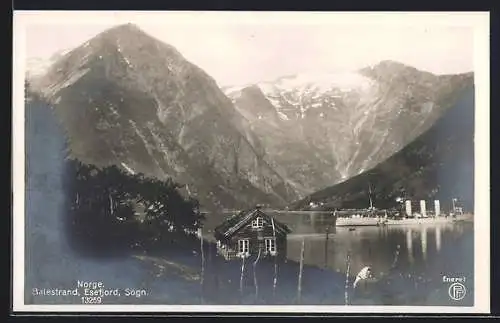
(355, 222)
(349, 222)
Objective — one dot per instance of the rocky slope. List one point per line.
(321, 129)
(127, 99)
(439, 164)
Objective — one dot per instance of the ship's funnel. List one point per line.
(408, 207)
(423, 211)
(437, 207)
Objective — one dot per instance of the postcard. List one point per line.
(305, 162)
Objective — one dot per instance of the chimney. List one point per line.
(408, 207)
(422, 208)
(437, 207)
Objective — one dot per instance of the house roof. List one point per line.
(232, 224)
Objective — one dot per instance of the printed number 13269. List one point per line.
(91, 300)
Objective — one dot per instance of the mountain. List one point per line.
(321, 129)
(439, 164)
(128, 99)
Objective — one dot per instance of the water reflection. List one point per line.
(373, 246)
(409, 245)
(327, 246)
(425, 253)
(423, 241)
(438, 238)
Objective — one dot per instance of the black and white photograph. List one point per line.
(251, 161)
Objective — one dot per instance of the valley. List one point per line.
(130, 100)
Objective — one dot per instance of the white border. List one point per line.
(477, 20)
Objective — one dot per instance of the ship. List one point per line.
(375, 217)
(449, 218)
(456, 214)
(370, 216)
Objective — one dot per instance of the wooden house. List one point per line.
(250, 232)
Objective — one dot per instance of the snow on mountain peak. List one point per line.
(37, 66)
(324, 81)
(233, 91)
(308, 90)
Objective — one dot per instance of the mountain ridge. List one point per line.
(186, 127)
(438, 164)
(347, 130)
(128, 99)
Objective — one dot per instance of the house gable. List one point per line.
(235, 224)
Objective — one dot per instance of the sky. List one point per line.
(238, 50)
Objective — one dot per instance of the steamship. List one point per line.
(435, 216)
(375, 217)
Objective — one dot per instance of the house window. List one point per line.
(243, 246)
(258, 223)
(271, 245)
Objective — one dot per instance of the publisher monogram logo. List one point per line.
(457, 291)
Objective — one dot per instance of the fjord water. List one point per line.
(408, 261)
